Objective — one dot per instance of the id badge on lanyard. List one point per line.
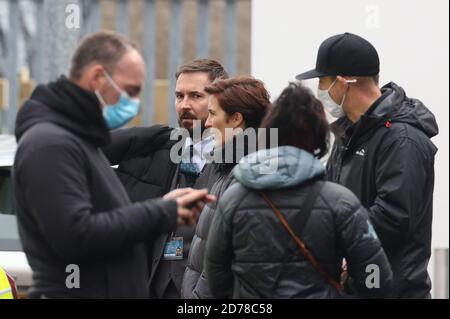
(173, 250)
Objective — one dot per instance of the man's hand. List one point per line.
(190, 203)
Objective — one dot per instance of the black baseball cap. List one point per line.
(344, 54)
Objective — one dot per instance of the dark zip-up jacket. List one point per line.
(387, 160)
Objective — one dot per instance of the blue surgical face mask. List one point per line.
(119, 114)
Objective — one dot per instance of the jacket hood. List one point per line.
(395, 106)
(277, 168)
(66, 104)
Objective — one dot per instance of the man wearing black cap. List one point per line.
(383, 153)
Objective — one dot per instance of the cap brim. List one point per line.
(309, 75)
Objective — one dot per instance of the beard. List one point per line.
(186, 121)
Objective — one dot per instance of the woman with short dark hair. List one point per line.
(283, 232)
(236, 106)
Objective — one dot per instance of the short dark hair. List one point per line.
(105, 48)
(214, 69)
(244, 95)
(300, 119)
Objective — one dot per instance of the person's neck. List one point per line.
(81, 83)
(359, 105)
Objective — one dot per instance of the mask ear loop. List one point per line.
(100, 98)
(331, 86)
(102, 101)
(113, 83)
(345, 94)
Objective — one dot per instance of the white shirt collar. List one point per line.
(201, 148)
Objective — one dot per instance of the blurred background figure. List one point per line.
(8, 289)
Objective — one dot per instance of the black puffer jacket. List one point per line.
(250, 254)
(387, 160)
(195, 284)
(72, 208)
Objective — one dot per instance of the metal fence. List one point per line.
(50, 44)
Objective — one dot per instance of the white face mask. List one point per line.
(330, 106)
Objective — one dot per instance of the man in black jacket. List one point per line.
(383, 153)
(147, 170)
(82, 236)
